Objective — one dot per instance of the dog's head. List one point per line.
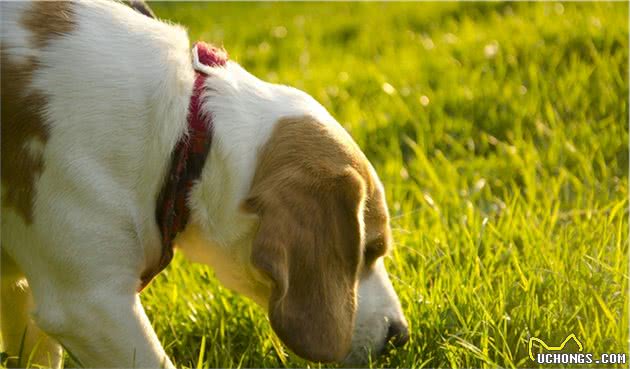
(323, 231)
(315, 225)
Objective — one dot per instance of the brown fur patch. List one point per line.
(49, 19)
(22, 120)
(378, 236)
(21, 123)
(310, 185)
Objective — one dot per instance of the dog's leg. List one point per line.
(101, 328)
(22, 339)
(84, 276)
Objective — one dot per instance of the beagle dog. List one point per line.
(120, 143)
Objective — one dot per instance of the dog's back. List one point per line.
(81, 85)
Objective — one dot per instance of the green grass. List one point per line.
(500, 132)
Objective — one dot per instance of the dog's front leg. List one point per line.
(103, 329)
(19, 332)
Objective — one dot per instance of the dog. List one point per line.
(120, 143)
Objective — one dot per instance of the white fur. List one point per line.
(113, 119)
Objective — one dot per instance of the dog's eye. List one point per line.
(374, 249)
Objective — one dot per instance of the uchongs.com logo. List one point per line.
(561, 354)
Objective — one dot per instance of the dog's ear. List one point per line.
(309, 200)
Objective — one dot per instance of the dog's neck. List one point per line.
(187, 160)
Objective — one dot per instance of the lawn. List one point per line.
(500, 131)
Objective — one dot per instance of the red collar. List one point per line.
(187, 160)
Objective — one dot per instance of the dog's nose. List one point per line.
(397, 334)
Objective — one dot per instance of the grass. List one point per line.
(500, 131)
